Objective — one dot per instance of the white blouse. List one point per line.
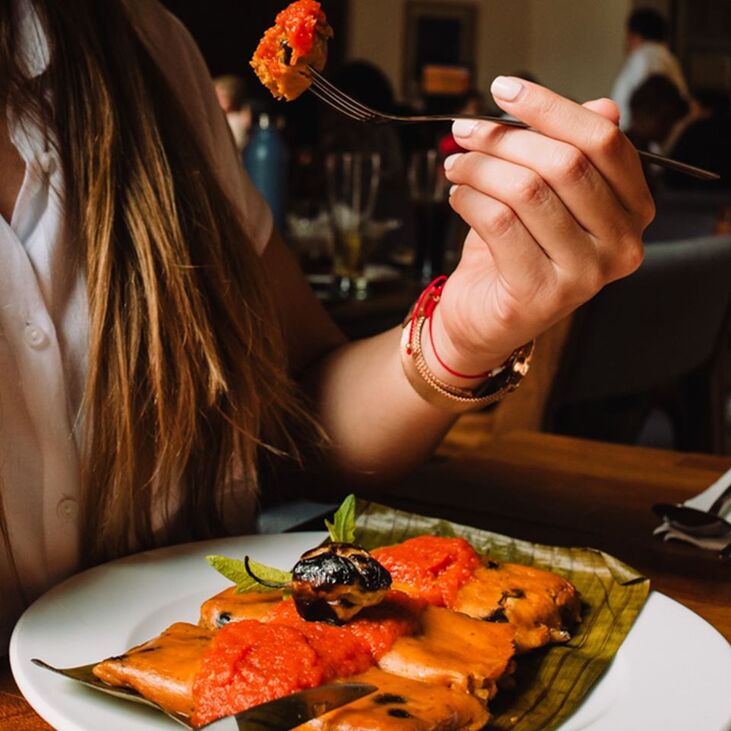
(44, 318)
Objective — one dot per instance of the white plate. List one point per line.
(673, 672)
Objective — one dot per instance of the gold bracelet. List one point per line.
(500, 382)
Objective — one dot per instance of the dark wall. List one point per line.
(228, 31)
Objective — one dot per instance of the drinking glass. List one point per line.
(428, 187)
(353, 180)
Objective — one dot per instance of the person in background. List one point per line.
(647, 54)
(232, 97)
(160, 347)
(659, 113)
(704, 141)
(696, 132)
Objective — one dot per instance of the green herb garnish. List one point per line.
(249, 575)
(342, 530)
(237, 571)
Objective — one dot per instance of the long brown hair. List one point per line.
(187, 377)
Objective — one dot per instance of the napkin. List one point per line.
(702, 501)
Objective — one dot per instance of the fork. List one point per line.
(345, 104)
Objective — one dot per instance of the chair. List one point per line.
(659, 338)
(685, 214)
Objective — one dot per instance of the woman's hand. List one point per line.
(554, 217)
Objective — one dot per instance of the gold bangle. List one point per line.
(501, 381)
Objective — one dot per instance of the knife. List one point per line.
(292, 710)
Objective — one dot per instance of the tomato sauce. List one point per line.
(433, 568)
(250, 663)
(268, 49)
(380, 626)
(341, 653)
(374, 630)
(299, 21)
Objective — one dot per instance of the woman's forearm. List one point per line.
(378, 425)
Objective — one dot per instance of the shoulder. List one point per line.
(176, 53)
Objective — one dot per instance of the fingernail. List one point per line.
(453, 190)
(506, 88)
(451, 160)
(463, 127)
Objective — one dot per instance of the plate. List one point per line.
(671, 673)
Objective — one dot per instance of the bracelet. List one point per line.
(500, 381)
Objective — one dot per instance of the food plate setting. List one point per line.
(671, 669)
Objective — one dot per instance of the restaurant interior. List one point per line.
(616, 448)
(647, 362)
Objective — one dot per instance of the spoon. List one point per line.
(697, 522)
(692, 521)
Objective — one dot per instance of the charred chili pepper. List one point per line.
(332, 583)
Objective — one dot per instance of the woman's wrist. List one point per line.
(454, 364)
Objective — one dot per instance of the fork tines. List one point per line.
(340, 101)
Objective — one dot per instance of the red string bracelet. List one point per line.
(425, 306)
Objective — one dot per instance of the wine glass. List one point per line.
(353, 181)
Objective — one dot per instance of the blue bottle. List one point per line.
(265, 160)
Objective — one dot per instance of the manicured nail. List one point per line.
(451, 160)
(463, 127)
(506, 88)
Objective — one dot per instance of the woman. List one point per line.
(154, 325)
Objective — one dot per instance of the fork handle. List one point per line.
(681, 167)
(651, 157)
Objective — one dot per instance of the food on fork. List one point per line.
(542, 606)
(297, 40)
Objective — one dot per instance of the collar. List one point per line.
(36, 54)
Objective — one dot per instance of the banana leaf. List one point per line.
(85, 676)
(551, 683)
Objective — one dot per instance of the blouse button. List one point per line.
(47, 162)
(35, 337)
(67, 509)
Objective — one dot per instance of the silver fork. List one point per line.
(345, 104)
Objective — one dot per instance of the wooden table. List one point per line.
(554, 490)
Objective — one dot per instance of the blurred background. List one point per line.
(648, 362)
(576, 48)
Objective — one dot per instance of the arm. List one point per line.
(376, 421)
(554, 217)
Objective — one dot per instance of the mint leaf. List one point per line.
(235, 570)
(342, 530)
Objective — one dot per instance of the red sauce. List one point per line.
(374, 630)
(380, 626)
(341, 653)
(299, 21)
(268, 49)
(429, 567)
(250, 663)
(297, 24)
